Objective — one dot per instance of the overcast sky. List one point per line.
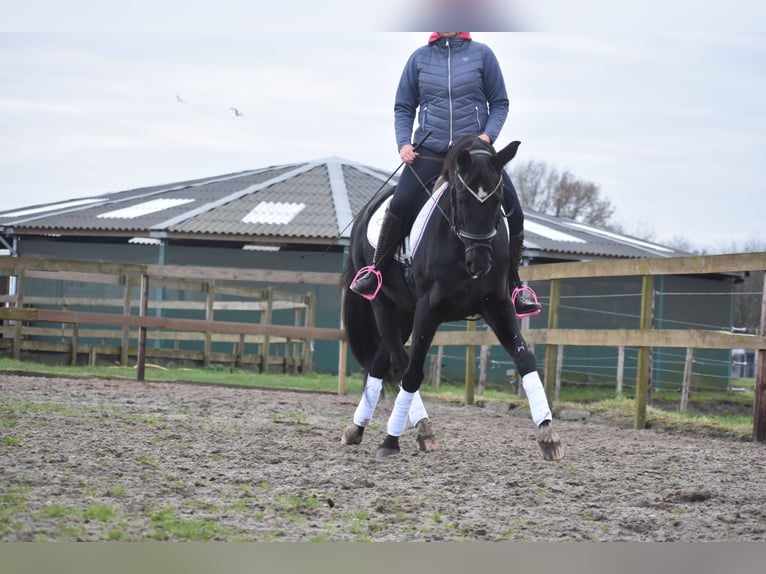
(670, 125)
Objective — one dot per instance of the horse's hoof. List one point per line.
(352, 434)
(426, 438)
(549, 442)
(388, 447)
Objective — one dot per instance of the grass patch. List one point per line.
(167, 525)
(213, 375)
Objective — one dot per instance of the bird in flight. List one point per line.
(236, 112)
(179, 99)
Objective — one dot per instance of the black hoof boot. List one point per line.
(389, 446)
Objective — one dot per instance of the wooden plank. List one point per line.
(82, 277)
(254, 275)
(675, 338)
(54, 316)
(17, 314)
(694, 265)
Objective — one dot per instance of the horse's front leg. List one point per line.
(501, 318)
(408, 402)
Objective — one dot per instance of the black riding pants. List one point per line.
(426, 167)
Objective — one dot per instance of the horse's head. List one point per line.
(474, 171)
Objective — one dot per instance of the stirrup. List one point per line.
(515, 293)
(377, 274)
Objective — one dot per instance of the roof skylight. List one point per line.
(145, 208)
(274, 212)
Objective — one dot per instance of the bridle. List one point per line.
(472, 240)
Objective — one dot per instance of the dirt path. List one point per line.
(100, 460)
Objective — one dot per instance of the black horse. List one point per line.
(459, 269)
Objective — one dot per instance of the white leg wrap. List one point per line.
(538, 402)
(417, 409)
(368, 402)
(397, 422)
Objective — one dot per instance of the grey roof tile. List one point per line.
(309, 202)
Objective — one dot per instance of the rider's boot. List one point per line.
(524, 303)
(366, 284)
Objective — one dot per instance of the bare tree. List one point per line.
(544, 189)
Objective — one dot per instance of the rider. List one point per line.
(455, 86)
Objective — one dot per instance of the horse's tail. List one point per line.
(358, 320)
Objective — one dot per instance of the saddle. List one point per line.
(412, 240)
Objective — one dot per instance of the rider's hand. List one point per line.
(408, 153)
(486, 138)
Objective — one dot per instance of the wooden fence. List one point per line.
(552, 337)
(645, 337)
(117, 332)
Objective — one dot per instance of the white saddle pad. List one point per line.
(412, 241)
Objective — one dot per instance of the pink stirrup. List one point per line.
(529, 290)
(377, 274)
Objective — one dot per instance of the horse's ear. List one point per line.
(463, 160)
(508, 152)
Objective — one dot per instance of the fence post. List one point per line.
(483, 361)
(143, 312)
(439, 361)
(620, 370)
(17, 328)
(308, 344)
(687, 380)
(470, 366)
(342, 353)
(551, 350)
(559, 368)
(125, 342)
(643, 365)
(759, 409)
(75, 344)
(209, 316)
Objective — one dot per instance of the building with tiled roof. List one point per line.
(306, 204)
(298, 217)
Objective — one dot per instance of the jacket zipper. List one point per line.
(449, 89)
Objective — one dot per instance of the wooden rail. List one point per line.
(553, 338)
(209, 284)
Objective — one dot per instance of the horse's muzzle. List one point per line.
(478, 260)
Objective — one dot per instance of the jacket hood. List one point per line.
(435, 36)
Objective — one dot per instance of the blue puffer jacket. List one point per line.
(456, 87)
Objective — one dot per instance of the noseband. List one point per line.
(473, 240)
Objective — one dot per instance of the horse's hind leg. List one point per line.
(373, 386)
